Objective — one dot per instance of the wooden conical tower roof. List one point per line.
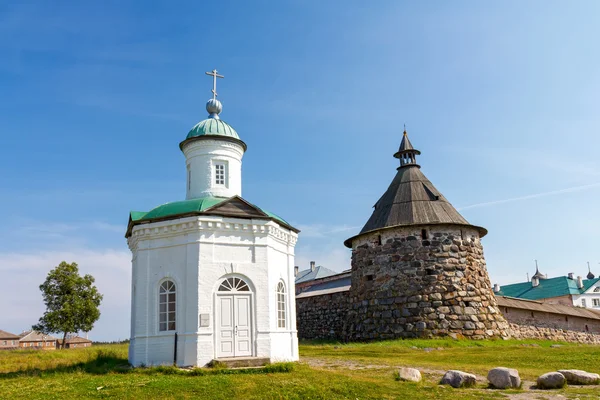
(411, 199)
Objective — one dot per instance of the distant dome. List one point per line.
(539, 275)
(590, 275)
(212, 127)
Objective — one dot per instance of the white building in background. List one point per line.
(212, 275)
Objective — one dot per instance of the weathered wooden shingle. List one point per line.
(406, 145)
(411, 199)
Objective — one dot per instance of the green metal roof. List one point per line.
(212, 127)
(181, 207)
(177, 208)
(553, 287)
(137, 215)
(275, 216)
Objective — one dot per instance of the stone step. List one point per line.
(244, 362)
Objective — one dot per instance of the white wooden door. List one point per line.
(234, 326)
(242, 333)
(225, 327)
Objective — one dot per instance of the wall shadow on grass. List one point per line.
(106, 361)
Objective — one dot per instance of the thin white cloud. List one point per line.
(532, 196)
(103, 226)
(46, 231)
(41, 228)
(25, 233)
(534, 164)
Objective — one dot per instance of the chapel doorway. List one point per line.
(234, 319)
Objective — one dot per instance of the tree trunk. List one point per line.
(62, 346)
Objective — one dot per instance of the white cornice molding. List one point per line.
(212, 224)
(211, 147)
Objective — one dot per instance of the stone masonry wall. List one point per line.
(322, 317)
(553, 321)
(537, 332)
(422, 281)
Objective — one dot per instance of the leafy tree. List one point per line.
(71, 300)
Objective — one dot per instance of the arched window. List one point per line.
(280, 305)
(234, 285)
(167, 306)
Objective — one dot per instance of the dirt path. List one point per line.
(538, 395)
(434, 374)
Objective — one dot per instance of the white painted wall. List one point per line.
(198, 253)
(201, 157)
(589, 296)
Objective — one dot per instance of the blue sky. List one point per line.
(501, 98)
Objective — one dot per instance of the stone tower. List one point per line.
(418, 268)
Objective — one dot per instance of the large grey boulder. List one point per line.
(579, 377)
(458, 379)
(551, 380)
(409, 374)
(503, 378)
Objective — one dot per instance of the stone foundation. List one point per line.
(421, 282)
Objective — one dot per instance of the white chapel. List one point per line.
(212, 275)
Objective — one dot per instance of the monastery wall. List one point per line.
(563, 335)
(562, 300)
(541, 319)
(322, 317)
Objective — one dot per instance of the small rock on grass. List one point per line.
(504, 378)
(551, 380)
(579, 377)
(458, 379)
(409, 374)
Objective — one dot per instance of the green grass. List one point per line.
(334, 371)
(531, 358)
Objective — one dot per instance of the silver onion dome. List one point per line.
(214, 108)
